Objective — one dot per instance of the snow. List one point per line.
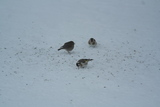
(126, 67)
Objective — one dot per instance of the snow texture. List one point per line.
(125, 71)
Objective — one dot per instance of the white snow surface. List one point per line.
(125, 71)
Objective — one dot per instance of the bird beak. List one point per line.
(78, 67)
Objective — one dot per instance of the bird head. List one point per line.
(78, 64)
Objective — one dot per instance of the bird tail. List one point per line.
(89, 60)
(60, 48)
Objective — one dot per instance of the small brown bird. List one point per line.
(68, 46)
(92, 42)
(83, 62)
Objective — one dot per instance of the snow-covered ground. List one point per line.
(125, 71)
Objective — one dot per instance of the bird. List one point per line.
(68, 46)
(83, 62)
(92, 42)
